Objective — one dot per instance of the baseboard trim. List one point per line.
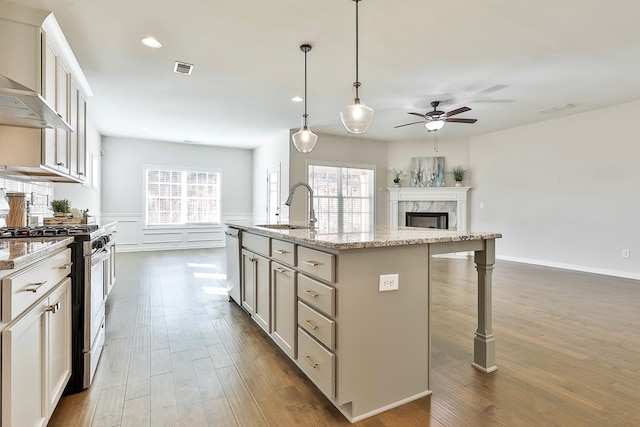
(582, 268)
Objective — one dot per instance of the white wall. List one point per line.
(123, 189)
(87, 195)
(268, 155)
(563, 192)
(345, 150)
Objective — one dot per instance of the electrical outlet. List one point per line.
(625, 253)
(388, 282)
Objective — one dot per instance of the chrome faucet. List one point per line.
(312, 213)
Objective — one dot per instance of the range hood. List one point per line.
(21, 106)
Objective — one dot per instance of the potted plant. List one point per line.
(397, 176)
(61, 207)
(458, 175)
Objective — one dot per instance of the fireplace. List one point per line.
(428, 220)
(452, 200)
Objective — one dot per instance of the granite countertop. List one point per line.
(380, 236)
(20, 252)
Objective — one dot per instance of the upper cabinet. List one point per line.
(35, 53)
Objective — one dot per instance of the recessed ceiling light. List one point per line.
(151, 42)
(297, 99)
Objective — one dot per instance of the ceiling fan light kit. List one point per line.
(357, 117)
(436, 119)
(304, 140)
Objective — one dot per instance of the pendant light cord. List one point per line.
(305, 88)
(357, 82)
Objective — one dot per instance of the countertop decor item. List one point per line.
(62, 206)
(356, 117)
(304, 140)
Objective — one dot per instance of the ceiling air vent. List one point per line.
(183, 68)
(557, 108)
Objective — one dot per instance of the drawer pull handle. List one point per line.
(34, 288)
(311, 263)
(281, 252)
(313, 294)
(65, 266)
(54, 308)
(311, 325)
(280, 270)
(313, 364)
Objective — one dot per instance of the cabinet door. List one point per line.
(58, 342)
(283, 307)
(62, 106)
(23, 370)
(81, 130)
(49, 80)
(262, 274)
(73, 136)
(248, 281)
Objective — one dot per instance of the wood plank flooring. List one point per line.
(178, 353)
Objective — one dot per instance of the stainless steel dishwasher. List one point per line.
(233, 236)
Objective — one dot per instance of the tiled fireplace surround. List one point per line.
(430, 199)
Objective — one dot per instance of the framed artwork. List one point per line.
(427, 172)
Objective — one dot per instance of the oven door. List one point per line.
(94, 297)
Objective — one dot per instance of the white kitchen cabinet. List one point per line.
(256, 287)
(36, 344)
(283, 307)
(248, 281)
(34, 52)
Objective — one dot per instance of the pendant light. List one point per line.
(357, 117)
(304, 140)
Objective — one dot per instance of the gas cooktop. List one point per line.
(48, 230)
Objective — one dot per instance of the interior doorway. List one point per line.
(273, 194)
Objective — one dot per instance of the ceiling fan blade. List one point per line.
(417, 114)
(407, 124)
(458, 111)
(460, 120)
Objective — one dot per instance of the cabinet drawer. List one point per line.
(23, 288)
(317, 362)
(316, 263)
(255, 243)
(317, 295)
(321, 327)
(283, 252)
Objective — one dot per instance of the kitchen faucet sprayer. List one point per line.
(312, 212)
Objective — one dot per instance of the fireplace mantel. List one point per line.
(429, 194)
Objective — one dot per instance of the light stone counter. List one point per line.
(381, 236)
(17, 253)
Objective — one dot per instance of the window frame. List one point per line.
(366, 166)
(181, 169)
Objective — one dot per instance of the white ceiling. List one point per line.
(505, 59)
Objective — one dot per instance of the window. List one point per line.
(179, 197)
(343, 198)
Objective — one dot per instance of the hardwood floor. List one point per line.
(178, 353)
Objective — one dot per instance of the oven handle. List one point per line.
(99, 256)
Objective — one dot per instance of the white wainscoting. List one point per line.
(133, 236)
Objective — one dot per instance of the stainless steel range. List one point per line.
(92, 278)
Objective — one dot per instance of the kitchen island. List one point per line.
(352, 309)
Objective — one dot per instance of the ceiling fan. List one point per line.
(436, 119)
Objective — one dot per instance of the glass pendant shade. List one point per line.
(434, 125)
(304, 140)
(357, 117)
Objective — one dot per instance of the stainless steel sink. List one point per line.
(283, 226)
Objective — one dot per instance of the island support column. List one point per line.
(484, 346)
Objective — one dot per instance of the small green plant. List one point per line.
(458, 173)
(61, 206)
